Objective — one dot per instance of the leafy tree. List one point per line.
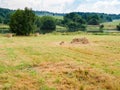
(38, 21)
(22, 22)
(93, 21)
(74, 22)
(72, 26)
(47, 24)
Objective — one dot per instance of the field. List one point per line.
(58, 17)
(111, 25)
(40, 63)
(3, 26)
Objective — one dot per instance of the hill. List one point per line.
(5, 15)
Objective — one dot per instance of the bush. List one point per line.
(22, 22)
(47, 24)
(118, 27)
(101, 27)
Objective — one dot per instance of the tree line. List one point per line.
(25, 22)
(5, 15)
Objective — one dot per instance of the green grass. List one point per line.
(58, 17)
(40, 63)
(107, 26)
(3, 26)
(111, 25)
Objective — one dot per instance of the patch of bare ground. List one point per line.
(73, 76)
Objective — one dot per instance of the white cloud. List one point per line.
(104, 6)
(48, 5)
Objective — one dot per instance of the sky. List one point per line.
(65, 6)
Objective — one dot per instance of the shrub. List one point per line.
(118, 27)
(101, 27)
(22, 22)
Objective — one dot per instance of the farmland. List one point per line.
(40, 63)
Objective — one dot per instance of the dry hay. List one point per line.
(61, 43)
(73, 76)
(83, 40)
(9, 35)
(37, 34)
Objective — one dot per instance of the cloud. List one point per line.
(104, 6)
(47, 5)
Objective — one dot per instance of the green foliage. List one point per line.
(74, 22)
(93, 20)
(118, 27)
(5, 15)
(48, 24)
(0, 19)
(101, 28)
(73, 26)
(38, 21)
(22, 22)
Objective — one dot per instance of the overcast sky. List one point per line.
(63, 6)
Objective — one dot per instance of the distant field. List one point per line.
(40, 63)
(58, 17)
(3, 26)
(107, 26)
(111, 25)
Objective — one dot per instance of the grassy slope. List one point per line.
(40, 63)
(107, 26)
(58, 17)
(111, 25)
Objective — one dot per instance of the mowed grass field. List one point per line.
(40, 63)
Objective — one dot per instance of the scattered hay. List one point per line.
(36, 34)
(74, 75)
(61, 43)
(9, 35)
(83, 40)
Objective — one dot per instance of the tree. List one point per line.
(22, 22)
(74, 22)
(38, 21)
(93, 21)
(47, 24)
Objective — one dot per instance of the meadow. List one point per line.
(40, 63)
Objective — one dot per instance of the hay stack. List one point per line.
(37, 34)
(80, 41)
(62, 42)
(9, 35)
